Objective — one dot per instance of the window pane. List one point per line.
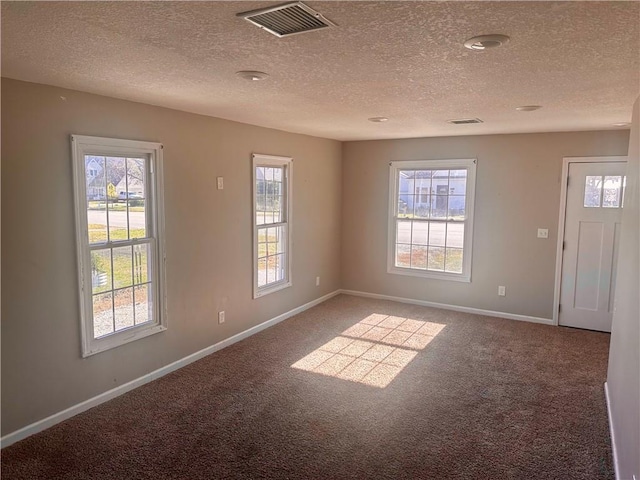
(271, 266)
(624, 188)
(143, 304)
(102, 315)
(403, 233)
(440, 182)
(137, 218)
(280, 268)
(439, 206)
(454, 260)
(403, 255)
(95, 174)
(96, 188)
(419, 233)
(141, 264)
(123, 303)
(136, 178)
(457, 182)
(437, 233)
(272, 246)
(262, 272)
(422, 193)
(116, 190)
(403, 207)
(122, 267)
(419, 257)
(592, 191)
(262, 242)
(612, 190)
(101, 280)
(436, 258)
(97, 221)
(422, 210)
(455, 234)
(457, 206)
(117, 213)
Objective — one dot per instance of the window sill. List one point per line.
(120, 338)
(431, 275)
(271, 289)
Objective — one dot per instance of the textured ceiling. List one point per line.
(402, 60)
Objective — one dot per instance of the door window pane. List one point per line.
(592, 191)
(612, 191)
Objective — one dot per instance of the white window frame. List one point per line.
(453, 164)
(260, 160)
(82, 145)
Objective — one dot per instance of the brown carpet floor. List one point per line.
(441, 395)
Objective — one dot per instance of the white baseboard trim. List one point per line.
(612, 432)
(51, 420)
(444, 306)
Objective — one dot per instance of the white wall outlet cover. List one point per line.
(502, 291)
(543, 233)
(317, 281)
(220, 317)
(220, 181)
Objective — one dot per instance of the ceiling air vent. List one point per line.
(465, 121)
(287, 19)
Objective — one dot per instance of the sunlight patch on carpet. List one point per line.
(373, 351)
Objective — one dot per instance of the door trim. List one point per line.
(566, 161)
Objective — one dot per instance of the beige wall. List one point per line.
(623, 380)
(208, 239)
(517, 192)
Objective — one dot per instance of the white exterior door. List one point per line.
(591, 235)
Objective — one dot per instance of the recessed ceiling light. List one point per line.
(378, 119)
(621, 124)
(528, 108)
(252, 75)
(483, 42)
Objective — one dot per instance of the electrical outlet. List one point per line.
(502, 291)
(220, 181)
(317, 281)
(543, 233)
(221, 317)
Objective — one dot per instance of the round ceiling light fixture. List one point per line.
(621, 124)
(483, 42)
(378, 119)
(528, 108)
(252, 75)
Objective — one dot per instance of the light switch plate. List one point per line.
(543, 233)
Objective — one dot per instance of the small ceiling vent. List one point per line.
(287, 19)
(465, 121)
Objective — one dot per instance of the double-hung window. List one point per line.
(431, 218)
(271, 223)
(119, 227)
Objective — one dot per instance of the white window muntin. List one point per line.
(285, 163)
(458, 164)
(151, 152)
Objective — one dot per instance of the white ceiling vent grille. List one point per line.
(465, 121)
(287, 19)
